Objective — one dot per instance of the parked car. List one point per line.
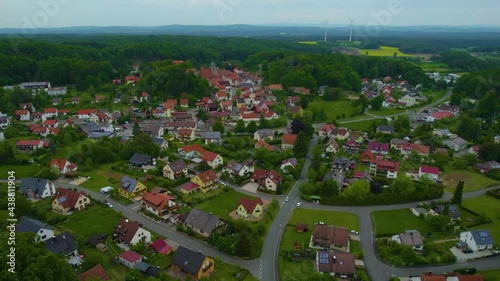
(109, 205)
(299, 204)
(287, 199)
(468, 251)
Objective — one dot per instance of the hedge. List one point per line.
(384, 198)
(494, 193)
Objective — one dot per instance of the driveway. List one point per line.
(251, 187)
(462, 257)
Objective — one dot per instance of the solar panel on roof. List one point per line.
(62, 199)
(483, 234)
(323, 258)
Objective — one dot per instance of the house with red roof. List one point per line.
(185, 135)
(132, 79)
(275, 87)
(50, 124)
(189, 188)
(342, 134)
(95, 273)
(267, 179)
(22, 115)
(29, 145)
(50, 112)
(130, 233)
(85, 113)
(159, 204)
(367, 158)
(431, 172)
(62, 165)
(130, 259)
(300, 90)
(99, 98)
(161, 247)
(75, 100)
(250, 208)
(422, 150)
(184, 103)
(384, 167)
(379, 148)
(67, 200)
(264, 144)
(63, 111)
(288, 141)
(442, 115)
(213, 160)
(325, 130)
(352, 146)
(226, 106)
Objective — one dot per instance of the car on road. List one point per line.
(109, 205)
(299, 204)
(287, 199)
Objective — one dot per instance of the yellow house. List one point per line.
(131, 188)
(194, 264)
(249, 209)
(206, 180)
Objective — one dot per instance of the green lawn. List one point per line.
(333, 109)
(22, 171)
(397, 221)
(358, 126)
(197, 196)
(224, 204)
(102, 176)
(491, 207)
(473, 180)
(290, 236)
(491, 275)
(228, 272)
(434, 67)
(385, 111)
(96, 219)
(383, 51)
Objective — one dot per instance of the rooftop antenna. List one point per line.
(350, 30)
(326, 28)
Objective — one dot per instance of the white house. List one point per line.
(35, 188)
(23, 115)
(129, 259)
(4, 122)
(477, 240)
(431, 172)
(408, 100)
(131, 233)
(41, 230)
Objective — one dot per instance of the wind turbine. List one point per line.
(326, 28)
(350, 30)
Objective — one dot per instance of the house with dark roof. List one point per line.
(343, 164)
(477, 240)
(485, 167)
(330, 237)
(411, 238)
(453, 211)
(236, 169)
(193, 264)
(130, 232)
(159, 204)
(67, 200)
(130, 259)
(147, 270)
(175, 170)
(250, 208)
(202, 222)
(352, 146)
(213, 137)
(456, 144)
(131, 188)
(263, 134)
(384, 129)
(62, 244)
(139, 160)
(35, 188)
(96, 272)
(267, 179)
(337, 264)
(40, 229)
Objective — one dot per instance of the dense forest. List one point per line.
(465, 62)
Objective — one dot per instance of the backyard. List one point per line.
(473, 180)
(491, 275)
(22, 171)
(223, 204)
(489, 206)
(290, 236)
(388, 223)
(358, 126)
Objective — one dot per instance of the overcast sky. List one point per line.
(61, 13)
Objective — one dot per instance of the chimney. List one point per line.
(334, 259)
(64, 236)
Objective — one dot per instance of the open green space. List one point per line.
(200, 196)
(333, 109)
(473, 180)
(491, 275)
(383, 51)
(358, 126)
(97, 218)
(489, 206)
(392, 222)
(223, 204)
(434, 67)
(22, 171)
(224, 271)
(385, 111)
(102, 176)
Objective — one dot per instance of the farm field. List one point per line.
(384, 51)
(473, 181)
(489, 206)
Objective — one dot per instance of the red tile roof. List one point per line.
(86, 111)
(156, 200)
(185, 132)
(126, 230)
(429, 170)
(264, 144)
(207, 176)
(28, 142)
(421, 149)
(250, 204)
(49, 122)
(289, 139)
(21, 112)
(96, 272)
(161, 246)
(130, 256)
(67, 197)
(189, 186)
(442, 114)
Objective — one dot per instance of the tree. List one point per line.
(240, 127)
(458, 194)
(408, 255)
(446, 210)
(439, 222)
(252, 127)
(297, 126)
(359, 191)
(301, 145)
(402, 185)
(136, 129)
(218, 127)
(377, 102)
